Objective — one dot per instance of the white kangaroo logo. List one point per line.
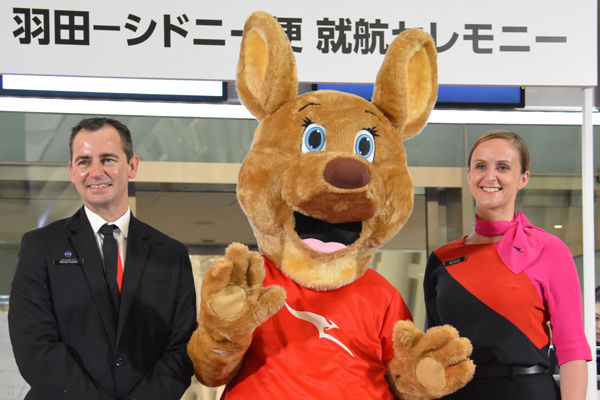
(320, 323)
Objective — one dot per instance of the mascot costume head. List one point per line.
(324, 185)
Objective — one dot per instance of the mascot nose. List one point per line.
(347, 173)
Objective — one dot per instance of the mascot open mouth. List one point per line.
(323, 236)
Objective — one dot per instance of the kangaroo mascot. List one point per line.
(324, 185)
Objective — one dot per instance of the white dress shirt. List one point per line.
(120, 234)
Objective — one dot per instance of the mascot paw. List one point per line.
(234, 302)
(429, 365)
(233, 305)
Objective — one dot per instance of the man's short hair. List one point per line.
(97, 123)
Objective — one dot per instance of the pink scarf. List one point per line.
(519, 246)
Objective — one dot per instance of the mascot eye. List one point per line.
(313, 139)
(364, 145)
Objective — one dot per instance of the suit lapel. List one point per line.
(138, 250)
(84, 242)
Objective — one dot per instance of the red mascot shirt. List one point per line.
(323, 344)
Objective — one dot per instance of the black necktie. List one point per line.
(110, 252)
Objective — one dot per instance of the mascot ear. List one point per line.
(406, 86)
(266, 73)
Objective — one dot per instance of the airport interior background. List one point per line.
(186, 184)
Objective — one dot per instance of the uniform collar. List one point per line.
(97, 221)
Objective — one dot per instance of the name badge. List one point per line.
(455, 261)
(68, 260)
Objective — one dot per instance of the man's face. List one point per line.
(100, 171)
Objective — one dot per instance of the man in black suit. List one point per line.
(102, 312)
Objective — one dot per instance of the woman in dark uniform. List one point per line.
(502, 284)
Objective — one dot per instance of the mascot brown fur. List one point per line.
(321, 164)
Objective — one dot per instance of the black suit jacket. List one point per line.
(67, 340)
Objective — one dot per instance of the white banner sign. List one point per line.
(513, 42)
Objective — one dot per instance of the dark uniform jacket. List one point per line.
(68, 339)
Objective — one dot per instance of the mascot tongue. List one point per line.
(323, 247)
(323, 236)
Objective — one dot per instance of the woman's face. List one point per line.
(495, 177)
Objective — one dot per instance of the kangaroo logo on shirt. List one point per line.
(320, 323)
